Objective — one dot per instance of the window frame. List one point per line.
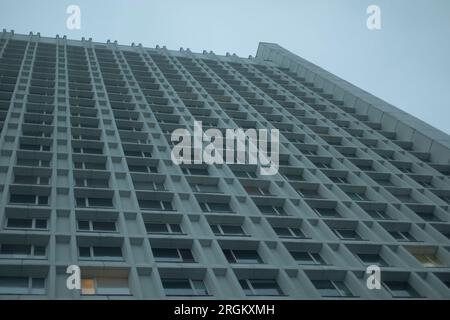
(180, 253)
(93, 256)
(91, 226)
(29, 290)
(33, 224)
(169, 228)
(96, 288)
(232, 253)
(254, 292)
(338, 286)
(196, 292)
(223, 233)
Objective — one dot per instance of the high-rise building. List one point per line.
(87, 179)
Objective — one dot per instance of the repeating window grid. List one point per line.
(69, 151)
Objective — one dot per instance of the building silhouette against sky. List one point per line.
(86, 179)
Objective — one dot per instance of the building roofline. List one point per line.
(374, 107)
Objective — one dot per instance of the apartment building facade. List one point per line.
(87, 180)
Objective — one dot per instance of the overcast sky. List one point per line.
(405, 63)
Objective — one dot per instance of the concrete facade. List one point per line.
(86, 179)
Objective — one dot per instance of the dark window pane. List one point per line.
(175, 228)
(156, 227)
(20, 249)
(20, 223)
(266, 288)
(232, 230)
(326, 288)
(150, 204)
(85, 252)
(108, 251)
(104, 226)
(186, 255)
(166, 255)
(247, 256)
(400, 289)
(41, 224)
(83, 225)
(100, 202)
(177, 287)
(23, 198)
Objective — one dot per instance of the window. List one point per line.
(163, 228)
(309, 193)
(308, 152)
(97, 226)
(95, 202)
(34, 147)
(446, 282)
(107, 253)
(87, 150)
(272, 210)
(307, 258)
(289, 232)
(426, 184)
(328, 288)
(216, 207)
(24, 223)
(92, 182)
(260, 287)
(347, 234)
(29, 179)
(184, 287)
(429, 260)
(402, 236)
(195, 171)
(29, 199)
(157, 205)
(405, 170)
(24, 250)
(227, 230)
(146, 169)
(245, 174)
(365, 167)
(400, 289)
(372, 259)
(85, 137)
(405, 198)
(428, 216)
(338, 179)
(173, 255)
(327, 212)
(89, 165)
(148, 185)
(322, 165)
(378, 214)
(105, 286)
(446, 199)
(22, 285)
(357, 196)
(32, 162)
(384, 182)
(205, 188)
(137, 153)
(294, 177)
(39, 133)
(257, 191)
(242, 256)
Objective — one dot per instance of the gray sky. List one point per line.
(405, 63)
